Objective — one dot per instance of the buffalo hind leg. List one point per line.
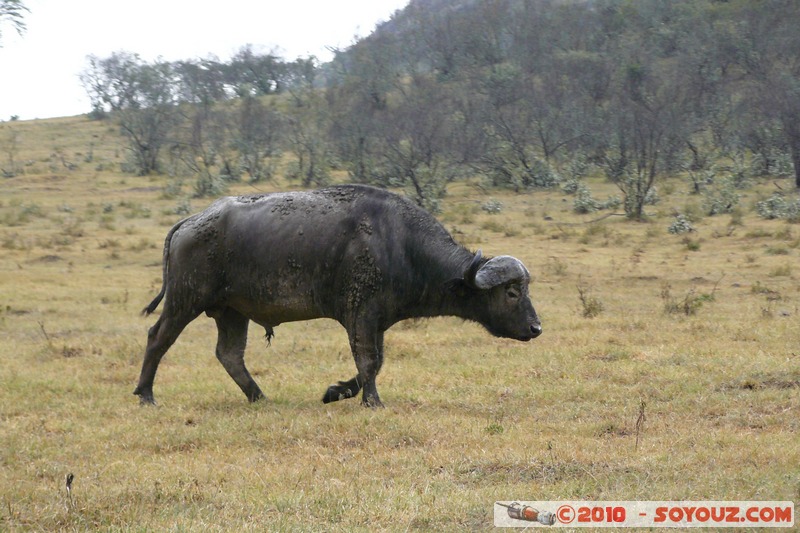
(159, 339)
(231, 342)
(367, 350)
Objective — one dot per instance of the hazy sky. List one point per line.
(39, 70)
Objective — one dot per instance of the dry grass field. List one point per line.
(699, 334)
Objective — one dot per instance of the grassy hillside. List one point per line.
(699, 334)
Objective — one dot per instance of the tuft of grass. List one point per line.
(556, 266)
(780, 271)
(693, 245)
(499, 227)
(591, 306)
(768, 293)
(495, 428)
(689, 304)
(777, 250)
(758, 233)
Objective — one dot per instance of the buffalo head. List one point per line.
(500, 291)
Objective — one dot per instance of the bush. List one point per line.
(209, 185)
(591, 305)
(688, 305)
(571, 185)
(722, 198)
(184, 207)
(576, 170)
(309, 175)
(779, 207)
(492, 206)
(504, 170)
(652, 198)
(541, 175)
(636, 194)
(680, 225)
(584, 203)
(613, 202)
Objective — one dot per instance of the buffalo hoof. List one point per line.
(145, 397)
(373, 402)
(255, 395)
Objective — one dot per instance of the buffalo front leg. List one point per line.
(159, 339)
(342, 390)
(367, 348)
(231, 342)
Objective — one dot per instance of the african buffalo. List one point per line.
(360, 255)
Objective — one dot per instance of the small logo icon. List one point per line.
(518, 511)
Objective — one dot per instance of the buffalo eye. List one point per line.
(512, 292)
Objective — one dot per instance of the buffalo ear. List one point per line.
(468, 279)
(472, 270)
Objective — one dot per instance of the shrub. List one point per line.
(636, 194)
(209, 185)
(308, 174)
(576, 170)
(780, 271)
(592, 306)
(680, 225)
(740, 175)
(173, 188)
(571, 186)
(504, 168)
(584, 203)
(692, 246)
(652, 198)
(541, 175)
(556, 266)
(779, 207)
(688, 305)
(721, 199)
(613, 202)
(183, 207)
(22, 214)
(492, 206)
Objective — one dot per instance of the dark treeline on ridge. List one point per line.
(524, 94)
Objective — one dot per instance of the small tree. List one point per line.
(308, 123)
(649, 116)
(142, 99)
(523, 128)
(200, 82)
(256, 135)
(770, 58)
(251, 73)
(358, 97)
(203, 146)
(417, 144)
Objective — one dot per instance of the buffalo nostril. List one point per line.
(536, 330)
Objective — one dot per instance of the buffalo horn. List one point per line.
(499, 270)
